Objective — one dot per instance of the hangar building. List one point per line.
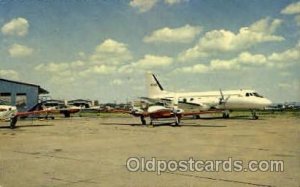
(20, 94)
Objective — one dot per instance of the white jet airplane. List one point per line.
(213, 100)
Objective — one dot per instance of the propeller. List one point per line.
(222, 99)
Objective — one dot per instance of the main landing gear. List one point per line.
(151, 122)
(143, 120)
(13, 122)
(226, 114)
(254, 115)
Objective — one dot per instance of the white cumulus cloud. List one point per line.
(105, 59)
(183, 34)
(53, 67)
(242, 61)
(9, 74)
(146, 63)
(172, 2)
(17, 50)
(198, 68)
(146, 5)
(254, 59)
(224, 65)
(293, 8)
(291, 55)
(152, 61)
(143, 5)
(17, 26)
(224, 41)
(247, 60)
(111, 52)
(61, 73)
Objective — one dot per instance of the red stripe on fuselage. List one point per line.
(163, 113)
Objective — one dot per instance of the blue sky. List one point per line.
(100, 49)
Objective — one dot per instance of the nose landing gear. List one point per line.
(254, 115)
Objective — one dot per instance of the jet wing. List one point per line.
(149, 100)
(201, 112)
(166, 101)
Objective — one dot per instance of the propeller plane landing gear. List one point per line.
(13, 122)
(177, 121)
(143, 120)
(151, 123)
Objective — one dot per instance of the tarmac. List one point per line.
(93, 151)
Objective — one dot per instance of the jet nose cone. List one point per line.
(267, 102)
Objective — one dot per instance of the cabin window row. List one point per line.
(253, 94)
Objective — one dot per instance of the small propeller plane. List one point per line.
(10, 113)
(159, 109)
(7, 113)
(156, 113)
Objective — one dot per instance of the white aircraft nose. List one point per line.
(267, 102)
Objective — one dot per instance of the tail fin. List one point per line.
(153, 86)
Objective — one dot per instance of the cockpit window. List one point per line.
(251, 94)
(257, 95)
(247, 94)
(192, 99)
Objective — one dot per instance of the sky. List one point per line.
(101, 49)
